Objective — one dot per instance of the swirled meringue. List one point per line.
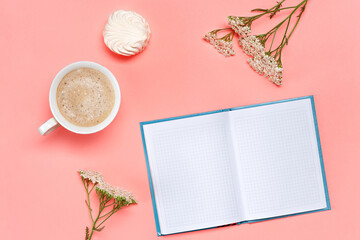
(126, 33)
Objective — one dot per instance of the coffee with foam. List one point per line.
(85, 97)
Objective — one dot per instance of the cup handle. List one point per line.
(49, 126)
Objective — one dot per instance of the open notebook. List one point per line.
(235, 165)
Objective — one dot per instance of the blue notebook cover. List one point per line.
(158, 230)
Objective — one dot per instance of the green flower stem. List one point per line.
(286, 38)
(297, 21)
(272, 33)
(109, 196)
(103, 201)
(228, 37)
(92, 188)
(274, 29)
(272, 41)
(272, 10)
(105, 214)
(283, 41)
(112, 212)
(88, 197)
(109, 205)
(222, 29)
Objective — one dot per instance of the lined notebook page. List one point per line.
(280, 171)
(191, 163)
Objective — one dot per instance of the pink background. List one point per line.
(41, 193)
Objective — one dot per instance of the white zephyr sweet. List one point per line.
(126, 33)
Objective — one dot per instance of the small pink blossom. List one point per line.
(94, 177)
(238, 26)
(116, 192)
(225, 47)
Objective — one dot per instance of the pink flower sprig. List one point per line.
(110, 198)
(264, 58)
(223, 44)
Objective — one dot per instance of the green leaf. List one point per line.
(86, 233)
(88, 205)
(99, 229)
(259, 10)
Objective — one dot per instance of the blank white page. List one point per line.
(280, 171)
(191, 162)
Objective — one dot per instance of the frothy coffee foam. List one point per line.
(85, 97)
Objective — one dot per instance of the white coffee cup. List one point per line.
(59, 119)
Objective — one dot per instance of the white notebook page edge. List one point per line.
(266, 195)
(161, 140)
